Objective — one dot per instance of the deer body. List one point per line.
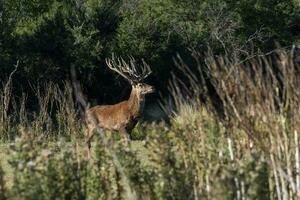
(121, 117)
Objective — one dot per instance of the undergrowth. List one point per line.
(251, 151)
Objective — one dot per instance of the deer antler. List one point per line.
(129, 70)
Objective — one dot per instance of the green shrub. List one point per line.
(250, 153)
(45, 171)
(2, 185)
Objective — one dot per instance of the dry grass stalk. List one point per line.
(5, 101)
(261, 97)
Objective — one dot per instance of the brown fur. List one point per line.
(121, 117)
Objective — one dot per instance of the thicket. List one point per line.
(234, 125)
(252, 152)
(48, 37)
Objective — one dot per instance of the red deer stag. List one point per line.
(123, 116)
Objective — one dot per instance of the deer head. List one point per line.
(130, 72)
(143, 88)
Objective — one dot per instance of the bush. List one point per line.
(2, 185)
(50, 37)
(250, 150)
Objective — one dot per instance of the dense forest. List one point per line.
(227, 81)
(50, 37)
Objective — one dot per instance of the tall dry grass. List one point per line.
(259, 104)
(234, 134)
(55, 112)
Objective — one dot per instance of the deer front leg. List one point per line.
(125, 135)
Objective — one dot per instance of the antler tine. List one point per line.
(126, 67)
(146, 69)
(144, 72)
(133, 66)
(129, 70)
(116, 66)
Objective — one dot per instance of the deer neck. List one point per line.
(136, 102)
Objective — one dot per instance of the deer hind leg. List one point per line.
(89, 133)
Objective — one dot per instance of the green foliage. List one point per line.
(2, 185)
(44, 171)
(275, 18)
(195, 157)
(198, 156)
(176, 163)
(138, 132)
(48, 37)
